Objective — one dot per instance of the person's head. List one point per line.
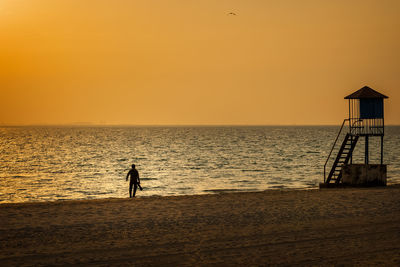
(133, 166)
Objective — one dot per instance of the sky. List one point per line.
(185, 62)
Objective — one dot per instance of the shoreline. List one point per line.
(223, 191)
(350, 226)
(138, 196)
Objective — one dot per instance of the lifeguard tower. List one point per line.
(365, 120)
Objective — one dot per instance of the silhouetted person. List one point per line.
(134, 182)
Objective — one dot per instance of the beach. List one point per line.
(350, 226)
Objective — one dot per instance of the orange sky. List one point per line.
(188, 62)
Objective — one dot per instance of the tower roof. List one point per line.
(365, 92)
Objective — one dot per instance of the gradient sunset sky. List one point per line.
(189, 62)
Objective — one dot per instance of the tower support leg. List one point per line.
(382, 150)
(351, 155)
(366, 149)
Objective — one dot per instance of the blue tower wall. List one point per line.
(371, 108)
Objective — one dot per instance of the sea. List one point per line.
(53, 163)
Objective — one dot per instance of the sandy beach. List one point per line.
(281, 227)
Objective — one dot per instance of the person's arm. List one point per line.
(138, 179)
(128, 175)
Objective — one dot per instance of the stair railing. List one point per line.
(334, 144)
(353, 128)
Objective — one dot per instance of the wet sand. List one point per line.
(292, 227)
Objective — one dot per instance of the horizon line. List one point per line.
(163, 125)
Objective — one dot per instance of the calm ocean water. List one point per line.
(60, 163)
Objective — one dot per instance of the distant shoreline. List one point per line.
(177, 125)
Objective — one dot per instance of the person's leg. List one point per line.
(134, 189)
(130, 189)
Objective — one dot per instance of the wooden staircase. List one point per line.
(342, 158)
